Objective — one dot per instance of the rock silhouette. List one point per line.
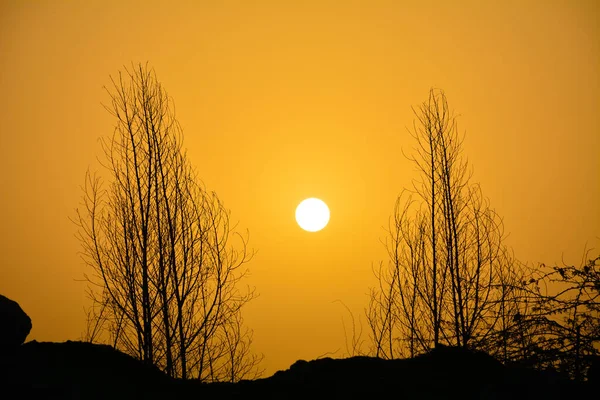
(15, 324)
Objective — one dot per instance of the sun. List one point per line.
(312, 214)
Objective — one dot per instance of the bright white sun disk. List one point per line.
(312, 214)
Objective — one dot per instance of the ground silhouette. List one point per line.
(82, 370)
(79, 370)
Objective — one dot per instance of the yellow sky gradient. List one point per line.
(284, 100)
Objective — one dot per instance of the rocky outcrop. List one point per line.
(15, 324)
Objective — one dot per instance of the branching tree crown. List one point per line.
(166, 262)
(448, 273)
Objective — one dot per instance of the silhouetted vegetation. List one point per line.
(451, 279)
(447, 276)
(166, 261)
(558, 323)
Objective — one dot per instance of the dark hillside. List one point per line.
(76, 370)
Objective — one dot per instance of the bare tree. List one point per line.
(166, 262)
(447, 260)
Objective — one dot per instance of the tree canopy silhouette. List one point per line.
(447, 278)
(558, 326)
(166, 262)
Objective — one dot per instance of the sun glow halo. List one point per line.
(312, 214)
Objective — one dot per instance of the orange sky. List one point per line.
(283, 100)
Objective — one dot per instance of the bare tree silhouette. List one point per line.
(449, 272)
(166, 262)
